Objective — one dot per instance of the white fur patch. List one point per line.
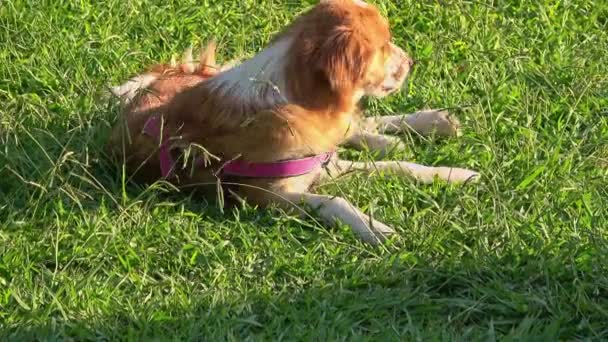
(259, 81)
(128, 90)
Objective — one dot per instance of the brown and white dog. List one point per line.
(294, 101)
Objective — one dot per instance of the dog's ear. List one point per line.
(341, 57)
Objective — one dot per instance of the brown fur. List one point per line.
(339, 49)
(320, 118)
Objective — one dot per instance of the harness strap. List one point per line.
(280, 169)
(285, 168)
(154, 128)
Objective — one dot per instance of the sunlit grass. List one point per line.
(521, 255)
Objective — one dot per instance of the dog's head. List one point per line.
(347, 45)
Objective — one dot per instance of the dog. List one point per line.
(267, 129)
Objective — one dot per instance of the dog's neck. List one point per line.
(276, 77)
(259, 83)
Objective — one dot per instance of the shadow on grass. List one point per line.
(390, 304)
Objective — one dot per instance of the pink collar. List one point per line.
(287, 168)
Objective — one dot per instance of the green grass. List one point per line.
(521, 256)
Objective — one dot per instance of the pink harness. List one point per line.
(287, 168)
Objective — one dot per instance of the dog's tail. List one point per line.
(206, 67)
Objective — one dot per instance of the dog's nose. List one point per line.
(411, 62)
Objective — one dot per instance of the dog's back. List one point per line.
(147, 95)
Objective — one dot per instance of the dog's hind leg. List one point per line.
(336, 209)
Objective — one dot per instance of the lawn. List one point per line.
(522, 255)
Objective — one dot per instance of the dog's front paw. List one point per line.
(439, 122)
(426, 122)
(378, 143)
(457, 175)
(383, 144)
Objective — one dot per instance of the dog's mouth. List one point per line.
(392, 89)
